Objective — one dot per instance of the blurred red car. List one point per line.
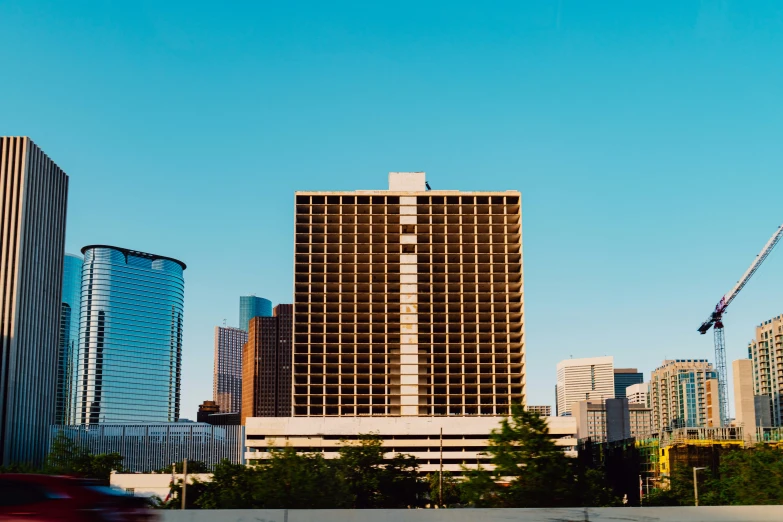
(44, 498)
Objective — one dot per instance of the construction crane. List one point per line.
(716, 320)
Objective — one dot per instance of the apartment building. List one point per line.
(680, 395)
(766, 355)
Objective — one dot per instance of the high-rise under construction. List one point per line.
(408, 302)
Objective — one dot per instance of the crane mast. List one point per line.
(716, 320)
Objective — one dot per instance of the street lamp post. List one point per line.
(696, 486)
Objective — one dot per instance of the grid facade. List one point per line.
(69, 334)
(678, 394)
(151, 447)
(590, 378)
(408, 303)
(33, 201)
(544, 411)
(266, 365)
(227, 376)
(766, 354)
(130, 333)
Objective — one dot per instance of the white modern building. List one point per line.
(463, 438)
(584, 379)
(638, 393)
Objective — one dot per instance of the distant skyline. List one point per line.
(644, 139)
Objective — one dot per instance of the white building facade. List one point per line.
(590, 379)
(463, 438)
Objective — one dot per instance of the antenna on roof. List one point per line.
(224, 323)
(427, 184)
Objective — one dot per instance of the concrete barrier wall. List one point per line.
(651, 514)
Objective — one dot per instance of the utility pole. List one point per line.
(696, 486)
(440, 476)
(184, 480)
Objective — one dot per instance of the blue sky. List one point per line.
(644, 137)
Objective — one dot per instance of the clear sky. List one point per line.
(645, 138)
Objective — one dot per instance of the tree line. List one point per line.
(528, 470)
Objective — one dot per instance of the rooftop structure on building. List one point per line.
(544, 411)
(408, 302)
(590, 378)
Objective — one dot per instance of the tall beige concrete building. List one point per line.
(408, 302)
(766, 354)
(33, 201)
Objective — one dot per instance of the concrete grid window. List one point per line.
(408, 304)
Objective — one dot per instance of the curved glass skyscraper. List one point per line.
(251, 306)
(130, 337)
(69, 334)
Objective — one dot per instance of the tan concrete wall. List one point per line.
(651, 514)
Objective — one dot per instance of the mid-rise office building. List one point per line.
(766, 355)
(590, 378)
(625, 377)
(408, 302)
(227, 370)
(638, 393)
(251, 306)
(69, 335)
(544, 411)
(130, 338)
(33, 201)
(266, 365)
(612, 420)
(679, 395)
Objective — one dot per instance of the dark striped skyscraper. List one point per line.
(69, 334)
(33, 202)
(130, 337)
(227, 377)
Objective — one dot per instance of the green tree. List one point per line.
(534, 472)
(66, 458)
(451, 489)
(286, 480)
(531, 471)
(194, 466)
(752, 476)
(374, 482)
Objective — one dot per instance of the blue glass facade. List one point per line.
(69, 334)
(130, 337)
(251, 306)
(624, 379)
